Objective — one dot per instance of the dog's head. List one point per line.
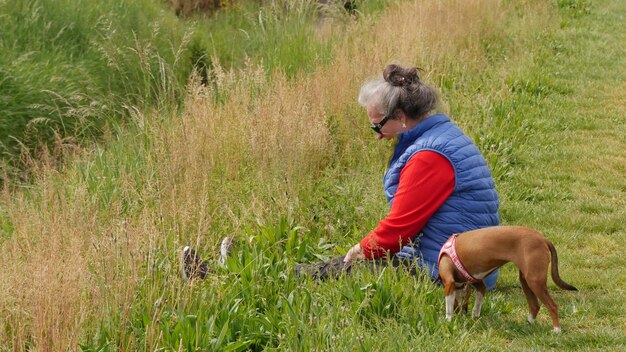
(462, 292)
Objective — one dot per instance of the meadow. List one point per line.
(71, 69)
(270, 147)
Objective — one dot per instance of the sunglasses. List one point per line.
(378, 126)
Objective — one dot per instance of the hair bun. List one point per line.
(399, 76)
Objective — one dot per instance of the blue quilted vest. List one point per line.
(472, 205)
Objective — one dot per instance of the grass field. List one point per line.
(284, 161)
(71, 69)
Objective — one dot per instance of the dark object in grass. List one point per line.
(192, 265)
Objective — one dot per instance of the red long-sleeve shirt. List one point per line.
(426, 181)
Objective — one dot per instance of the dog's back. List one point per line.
(486, 249)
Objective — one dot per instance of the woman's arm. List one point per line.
(426, 181)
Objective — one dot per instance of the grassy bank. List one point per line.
(71, 69)
(285, 163)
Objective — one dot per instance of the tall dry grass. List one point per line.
(79, 243)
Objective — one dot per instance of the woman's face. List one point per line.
(389, 129)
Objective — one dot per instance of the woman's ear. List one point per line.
(401, 116)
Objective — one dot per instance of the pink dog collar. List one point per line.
(449, 249)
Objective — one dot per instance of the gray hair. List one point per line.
(382, 95)
(400, 88)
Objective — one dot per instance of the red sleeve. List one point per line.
(426, 181)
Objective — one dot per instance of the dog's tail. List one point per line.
(555, 270)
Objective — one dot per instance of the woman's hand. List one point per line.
(355, 253)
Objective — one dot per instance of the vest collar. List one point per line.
(415, 132)
(405, 139)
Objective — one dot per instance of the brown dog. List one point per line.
(480, 252)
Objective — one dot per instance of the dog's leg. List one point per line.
(480, 295)
(533, 304)
(447, 278)
(536, 273)
(449, 306)
(540, 288)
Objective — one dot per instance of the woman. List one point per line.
(437, 182)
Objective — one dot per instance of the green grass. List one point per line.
(546, 107)
(534, 137)
(70, 69)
